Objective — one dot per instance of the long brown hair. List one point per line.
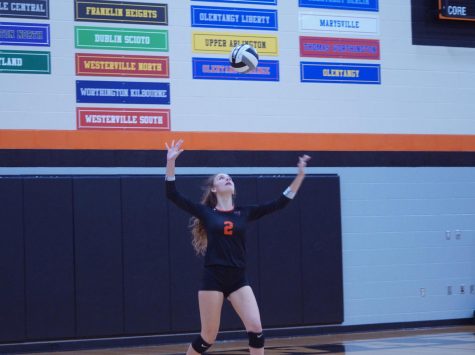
(198, 231)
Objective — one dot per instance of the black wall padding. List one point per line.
(185, 267)
(12, 262)
(246, 188)
(99, 256)
(99, 253)
(279, 258)
(49, 262)
(146, 256)
(320, 223)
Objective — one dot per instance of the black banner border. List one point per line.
(123, 3)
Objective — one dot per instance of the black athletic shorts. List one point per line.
(225, 279)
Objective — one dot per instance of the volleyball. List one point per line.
(244, 58)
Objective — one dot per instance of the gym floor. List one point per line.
(434, 341)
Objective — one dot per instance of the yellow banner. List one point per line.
(219, 42)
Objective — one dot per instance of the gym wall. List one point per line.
(378, 92)
(108, 256)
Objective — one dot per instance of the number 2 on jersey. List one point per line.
(228, 228)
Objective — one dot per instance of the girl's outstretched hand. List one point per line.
(174, 150)
(303, 163)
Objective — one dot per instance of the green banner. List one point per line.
(121, 39)
(26, 62)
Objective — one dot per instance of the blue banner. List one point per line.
(359, 5)
(231, 17)
(122, 92)
(24, 34)
(25, 9)
(346, 73)
(219, 69)
(263, 2)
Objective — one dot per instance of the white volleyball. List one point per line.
(244, 58)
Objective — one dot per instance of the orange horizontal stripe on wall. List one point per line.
(42, 139)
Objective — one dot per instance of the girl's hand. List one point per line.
(303, 163)
(174, 150)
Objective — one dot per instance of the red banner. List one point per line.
(329, 47)
(124, 119)
(122, 65)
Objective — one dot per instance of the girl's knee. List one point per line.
(254, 327)
(209, 336)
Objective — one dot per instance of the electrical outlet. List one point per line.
(422, 291)
(458, 234)
(447, 235)
(449, 290)
(462, 289)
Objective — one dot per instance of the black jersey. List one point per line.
(226, 230)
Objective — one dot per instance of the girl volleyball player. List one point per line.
(218, 229)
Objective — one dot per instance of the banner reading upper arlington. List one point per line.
(122, 65)
(222, 42)
(120, 11)
(25, 62)
(345, 73)
(361, 5)
(121, 38)
(219, 69)
(130, 119)
(24, 34)
(25, 8)
(231, 17)
(122, 92)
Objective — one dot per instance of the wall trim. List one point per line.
(204, 158)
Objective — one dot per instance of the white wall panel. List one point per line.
(424, 90)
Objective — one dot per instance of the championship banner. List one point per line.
(121, 39)
(122, 65)
(124, 119)
(260, 2)
(231, 17)
(24, 34)
(25, 8)
(25, 62)
(223, 42)
(344, 73)
(325, 22)
(219, 69)
(358, 5)
(122, 92)
(330, 47)
(122, 12)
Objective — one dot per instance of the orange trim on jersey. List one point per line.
(127, 140)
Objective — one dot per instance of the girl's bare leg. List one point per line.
(210, 303)
(245, 304)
